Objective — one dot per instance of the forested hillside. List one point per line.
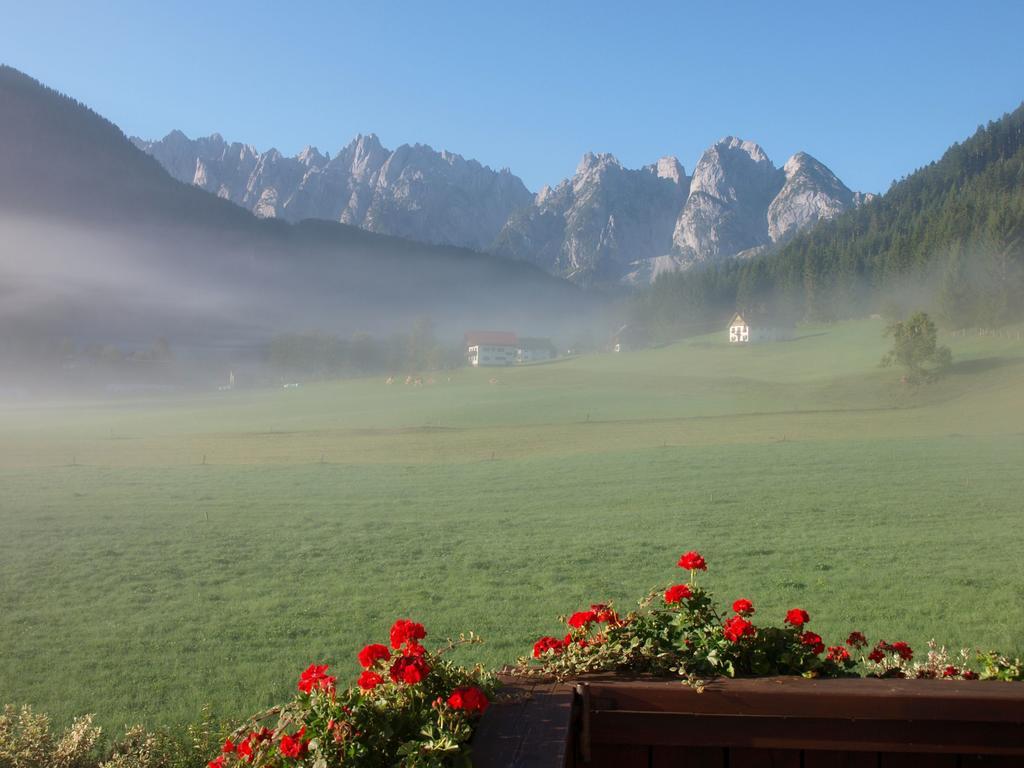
(949, 237)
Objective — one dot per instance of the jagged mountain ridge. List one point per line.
(412, 191)
(606, 224)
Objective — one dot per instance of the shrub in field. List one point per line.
(681, 630)
(27, 740)
(409, 706)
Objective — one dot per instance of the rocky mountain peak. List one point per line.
(811, 193)
(668, 167)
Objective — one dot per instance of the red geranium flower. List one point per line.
(315, 678)
(838, 654)
(245, 749)
(877, 654)
(603, 614)
(582, 619)
(737, 627)
(217, 763)
(294, 745)
(369, 680)
(969, 674)
(409, 669)
(371, 654)
(903, 650)
(857, 640)
(950, 672)
(677, 593)
(692, 561)
(797, 617)
(546, 644)
(743, 607)
(412, 648)
(814, 641)
(404, 630)
(470, 699)
(228, 747)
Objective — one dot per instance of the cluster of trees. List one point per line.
(322, 355)
(949, 236)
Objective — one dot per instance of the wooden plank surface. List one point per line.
(783, 732)
(528, 726)
(957, 700)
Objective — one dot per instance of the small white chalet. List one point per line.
(739, 330)
(743, 332)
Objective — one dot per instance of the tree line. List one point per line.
(949, 237)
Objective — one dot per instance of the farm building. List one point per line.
(758, 328)
(488, 348)
(534, 349)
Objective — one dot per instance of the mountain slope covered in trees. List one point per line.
(950, 237)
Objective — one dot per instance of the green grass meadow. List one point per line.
(140, 583)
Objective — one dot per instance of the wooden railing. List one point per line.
(599, 722)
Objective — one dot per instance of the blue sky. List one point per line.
(872, 89)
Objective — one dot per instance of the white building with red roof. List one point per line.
(489, 348)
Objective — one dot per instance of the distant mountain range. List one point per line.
(101, 245)
(606, 225)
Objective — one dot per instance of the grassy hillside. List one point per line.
(137, 582)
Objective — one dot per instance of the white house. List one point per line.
(490, 348)
(739, 330)
(743, 332)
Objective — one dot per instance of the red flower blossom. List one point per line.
(857, 640)
(903, 650)
(603, 614)
(677, 594)
(405, 630)
(743, 607)
(469, 699)
(245, 747)
(693, 561)
(582, 619)
(838, 654)
(315, 678)
(371, 654)
(546, 644)
(217, 763)
(813, 640)
(412, 648)
(969, 674)
(797, 617)
(294, 745)
(876, 654)
(950, 672)
(369, 680)
(228, 747)
(409, 669)
(737, 627)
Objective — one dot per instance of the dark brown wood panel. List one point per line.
(910, 760)
(619, 756)
(688, 757)
(764, 758)
(820, 758)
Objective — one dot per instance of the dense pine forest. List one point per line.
(949, 238)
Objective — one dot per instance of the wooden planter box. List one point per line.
(783, 722)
